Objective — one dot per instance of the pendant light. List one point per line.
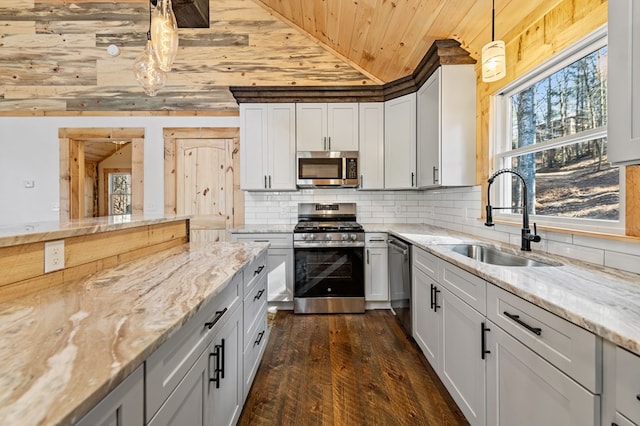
(164, 34)
(494, 65)
(147, 70)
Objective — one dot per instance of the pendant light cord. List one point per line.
(493, 19)
(149, 32)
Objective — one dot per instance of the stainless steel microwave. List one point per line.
(320, 169)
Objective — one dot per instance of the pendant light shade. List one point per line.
(164, 34)
(494, 64)
(494, 57)
(148, 72)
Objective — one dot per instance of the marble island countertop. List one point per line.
(63, 349)
(605, 301)
(25, 233)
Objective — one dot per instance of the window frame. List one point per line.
(500, 138)
(110, 192)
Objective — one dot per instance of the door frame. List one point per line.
(171, 135)
(72, 165)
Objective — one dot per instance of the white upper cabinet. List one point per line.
(327, 126)
(446, 123)
(400, 142)
(371, 154)
(624, 82)
(267, 147)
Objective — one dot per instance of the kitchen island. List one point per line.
(64, 348)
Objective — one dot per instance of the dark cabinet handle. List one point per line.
(265, 181)
(638, 397)
(413, 175)
(218, 372)
(269, 181)
(434, 297)
(258, 295)
(483, 338)
(219, 315)
(259, 339)
(368, 257)
(257, 271)
(535, 330)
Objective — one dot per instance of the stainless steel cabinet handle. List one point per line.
(395, 245)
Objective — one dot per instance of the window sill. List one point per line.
(608, 235)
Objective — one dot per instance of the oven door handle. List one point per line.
(403, 249)
(327, 245)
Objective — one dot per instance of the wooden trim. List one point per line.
(98, 133)
(441, 52)
(65, 179)
(137, 175)
(164, 113)
(632, 201)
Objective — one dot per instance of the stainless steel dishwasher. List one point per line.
(400, 281)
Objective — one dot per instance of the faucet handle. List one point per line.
(536, 238)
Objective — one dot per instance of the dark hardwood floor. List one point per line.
(345, 370)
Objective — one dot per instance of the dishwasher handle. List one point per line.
(397, 245)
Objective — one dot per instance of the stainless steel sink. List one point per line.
(494, 256)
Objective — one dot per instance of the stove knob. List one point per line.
(312, 236)
(329, 237)
(345, 237)
(352, 237)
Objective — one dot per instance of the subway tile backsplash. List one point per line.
(458, 209)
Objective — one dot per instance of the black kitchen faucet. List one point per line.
(526, 232)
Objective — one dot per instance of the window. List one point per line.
(119, 193)
(552, 129)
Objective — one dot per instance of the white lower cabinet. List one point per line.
(280, 262)
(463, 364)
(504, 360)
(524, 389)
(376, 268)
(124, 406)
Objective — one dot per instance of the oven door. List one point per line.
(329, 272)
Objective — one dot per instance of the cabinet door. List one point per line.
(400, 142)
(124, 406)
(624, 82)
(281, 173)
(280, 278)
(463, 369)
(226, 399)
(311, 127)
(371, 152)
(428, 143)
(523, 389)
(253, 146)
(376, 274)
(342, 127)
(189, 402)
(426, 320)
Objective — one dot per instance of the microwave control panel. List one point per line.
(352, 168)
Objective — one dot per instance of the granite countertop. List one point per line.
(63, 349)
(25, 233)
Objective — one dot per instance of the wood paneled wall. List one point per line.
(53, 57)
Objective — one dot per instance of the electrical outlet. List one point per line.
(53, 256)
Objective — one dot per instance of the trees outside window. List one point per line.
(555, 135)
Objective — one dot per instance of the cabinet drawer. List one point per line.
(254, 272)
(277, 240)
(628, 384)
(572, 349)
(375, 239)
(166, 367)
(426, 262)
(466, 286)
(254, 351)
(255, 306)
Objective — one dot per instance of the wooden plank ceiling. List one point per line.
(53, 52)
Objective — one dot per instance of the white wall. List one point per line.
(29, 150)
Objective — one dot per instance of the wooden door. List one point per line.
(204, 186)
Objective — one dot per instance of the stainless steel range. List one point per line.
(328, 248)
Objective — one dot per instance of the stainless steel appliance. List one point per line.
(400, 281)
(327, 169)
(328, 250)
